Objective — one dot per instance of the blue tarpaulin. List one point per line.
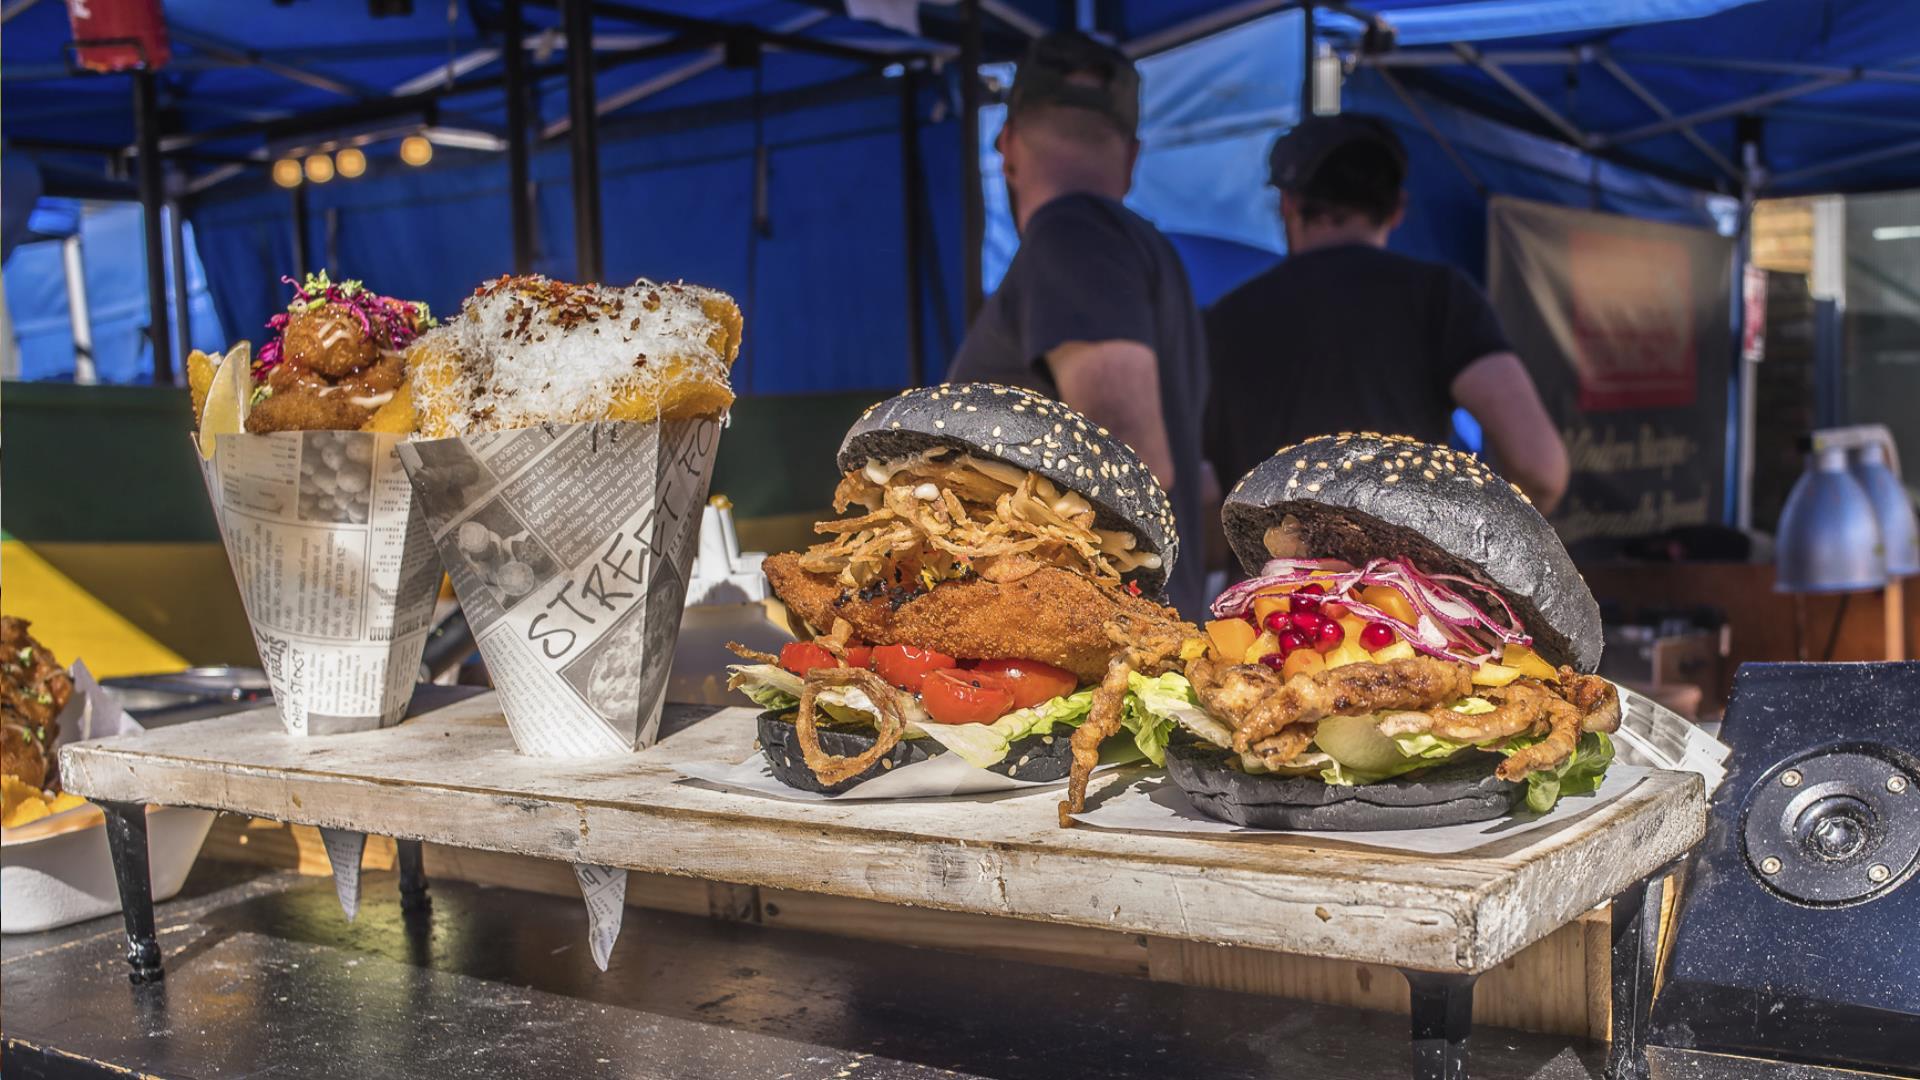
(816, 244)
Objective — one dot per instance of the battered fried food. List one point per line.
(1353, 690)
(529, 350)
(890, 723)
(1052, 615)
(337, 361)
(34, 687)
(1102, 721)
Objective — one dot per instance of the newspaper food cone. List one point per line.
(569, 546)
(335, 567)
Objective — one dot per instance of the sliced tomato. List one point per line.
(801, 657)
(952, 696)
(1032, 681)
(860, 656)
(907, 666)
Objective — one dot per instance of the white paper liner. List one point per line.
(335, 568)
(940, 776)
(1156, 804)
(604, 888)
(1653, 735)
(344, 849)
(570, 548)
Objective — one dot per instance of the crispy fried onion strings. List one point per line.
(950, 512)
(889, 722)
(745, 653)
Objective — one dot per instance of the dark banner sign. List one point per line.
(1624, 326)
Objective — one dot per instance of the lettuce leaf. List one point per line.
(769, 686)
(982, 745)
(1581, 773)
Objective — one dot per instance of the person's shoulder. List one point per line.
(1081, 213)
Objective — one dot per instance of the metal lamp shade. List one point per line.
(1829, 534)
(1898, 530)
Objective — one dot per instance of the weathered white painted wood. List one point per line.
(451, 776)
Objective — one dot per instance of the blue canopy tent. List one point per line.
(816, 163)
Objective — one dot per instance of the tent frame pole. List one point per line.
(583, 140)
(910, 198)
(1519, 90)
(974, 206)
(1652, 101)
(153, 196)
(1433, 130)
(1308, 105)
(519, 181)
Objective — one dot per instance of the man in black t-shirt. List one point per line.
(1095, 309)
(1347, 336)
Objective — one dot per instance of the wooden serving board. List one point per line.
(451, 776)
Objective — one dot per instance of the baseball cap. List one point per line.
(1072, 69)
(1299, 153)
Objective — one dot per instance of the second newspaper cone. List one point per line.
(569, 546)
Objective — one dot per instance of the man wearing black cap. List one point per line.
(1348, 336)
(1095, 309)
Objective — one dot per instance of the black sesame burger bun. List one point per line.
(1032, 432)
(1042, 758)
(1367, 496)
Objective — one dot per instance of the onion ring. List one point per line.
(889, 722)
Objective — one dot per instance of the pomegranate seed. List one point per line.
(1306, 598)
(1291, 640)
(1328, 636)
(1308, 623)
(1278, 622)
(1377, 636)
(1274, 660)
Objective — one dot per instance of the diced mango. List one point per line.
(1231, 638)
(1347, 652)
(1389, 600)
(1264, 645)
(1491, 674)
(65, 801)
(1266, 605)
(1303, 662)
(1399, 650)
(1528, 662)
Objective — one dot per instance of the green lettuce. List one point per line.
(769, 686)
(982, 745)
(1580, 774)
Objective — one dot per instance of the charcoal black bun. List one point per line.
(1454, 793)
(1027, 430)
(1360, 497)
(1041, 758)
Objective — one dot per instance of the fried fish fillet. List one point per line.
(1051, 615)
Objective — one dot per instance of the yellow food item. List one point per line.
(1529, 663)
(227, 398)
(200, 369)
(528, 350)
(396, 417)
(1399, 650)
(1231, 638)
(1491, 674)
(1303, 662)
(20, 802)
(1266, 604)
(1347, 652)
(1263, 645)
(1390, 601)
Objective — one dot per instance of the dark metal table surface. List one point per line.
(266, 978)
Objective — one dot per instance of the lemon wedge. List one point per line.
(225, 412)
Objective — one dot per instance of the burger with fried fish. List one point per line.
(1414, 648)
(993, 595)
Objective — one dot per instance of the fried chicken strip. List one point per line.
(1052, 615)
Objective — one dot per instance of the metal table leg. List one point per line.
(1442, 1022)
(413, 876)
(1633, 961)
(127, 842)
